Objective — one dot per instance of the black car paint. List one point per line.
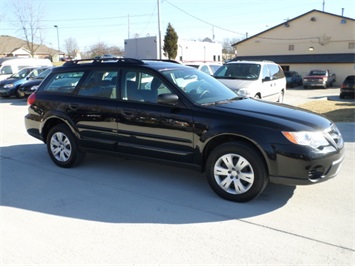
(185, 133)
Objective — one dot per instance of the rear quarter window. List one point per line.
(63, 82)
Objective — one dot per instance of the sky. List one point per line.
(113, 21)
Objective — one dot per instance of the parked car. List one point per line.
(12, 65)
(319, 78)
(9, 87)
(347, 88)
(140, 109)
(208, 68)
(293, 79)
(28, 87)
(258, 79)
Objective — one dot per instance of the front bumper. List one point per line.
(312, 173)
(305, 166)
(313, 83)
(6, 93)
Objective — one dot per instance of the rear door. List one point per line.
(87, 100)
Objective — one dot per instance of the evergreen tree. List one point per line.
(171, 42)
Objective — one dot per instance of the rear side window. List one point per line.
(100, 84)
(63, 82)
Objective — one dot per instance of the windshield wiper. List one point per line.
(226, 77)
(223, 101)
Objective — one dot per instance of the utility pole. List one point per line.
(56, 26)
(159, 33)
(128, 27)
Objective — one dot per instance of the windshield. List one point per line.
(44, 74)
(22, 73)
(198, 86)
(239, 71)
(317, 73)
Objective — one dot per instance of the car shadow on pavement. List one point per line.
(115, 190)
(14, 101)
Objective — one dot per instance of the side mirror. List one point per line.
(266, 79)
(167, 98)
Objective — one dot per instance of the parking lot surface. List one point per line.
(110, 211)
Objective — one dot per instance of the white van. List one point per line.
(257, 79)
(11, 65)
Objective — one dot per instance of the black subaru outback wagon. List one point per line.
(173, 113)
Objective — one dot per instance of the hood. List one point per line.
(32, 82)
(236, 84)
(9, 80)
(277, 115)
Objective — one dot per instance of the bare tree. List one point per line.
(28, 22)
(227, 48)
(72, 47)
(101, 48)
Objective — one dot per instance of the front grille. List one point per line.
(334, 136)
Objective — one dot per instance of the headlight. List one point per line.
(243, 92)
(9, 86)
(313, 139)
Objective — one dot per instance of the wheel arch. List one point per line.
(53, 121)
(218, 140)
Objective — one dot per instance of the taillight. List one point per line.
(31, 99)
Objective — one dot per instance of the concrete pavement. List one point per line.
(113, 211)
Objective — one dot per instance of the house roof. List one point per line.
(283, 23)
(303, 58)
(8, 44)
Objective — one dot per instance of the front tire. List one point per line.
(62, 147)
(281, 97)
(236, 172)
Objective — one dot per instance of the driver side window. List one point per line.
(142, 87)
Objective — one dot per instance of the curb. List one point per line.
(337, 99)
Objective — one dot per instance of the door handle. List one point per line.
(128, 113)
(73, 106)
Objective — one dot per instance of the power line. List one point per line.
(82, 19)
(206, 22)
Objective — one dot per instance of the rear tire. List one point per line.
(62, 147)
(236, 171)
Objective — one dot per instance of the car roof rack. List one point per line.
(104, 60)
(163, 60)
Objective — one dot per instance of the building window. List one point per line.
(291, 47)
(351, 45)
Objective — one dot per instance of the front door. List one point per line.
(146, 128)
